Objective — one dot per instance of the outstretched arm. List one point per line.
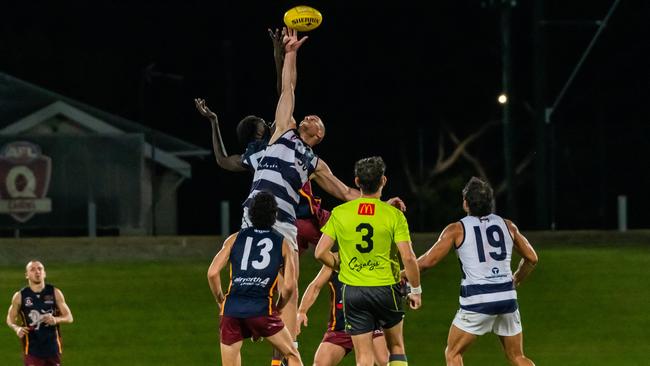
(311, 294)
(324, 177)
(278, 57)
(284, 112)
(218, 262)
(232, 162)
(528, 255)
(448, 238)
(290, 284)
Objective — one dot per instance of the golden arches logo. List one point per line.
(367, 209)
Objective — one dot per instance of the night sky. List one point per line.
(384, 76)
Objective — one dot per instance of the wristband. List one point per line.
(416, 290)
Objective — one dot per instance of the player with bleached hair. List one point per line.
(35, 314)
(484, 243)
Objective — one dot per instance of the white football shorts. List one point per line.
(476, 323)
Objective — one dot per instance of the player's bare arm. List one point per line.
(232, 162)
(324, 177)
(290, 284)
(12, 315)
(412, 272)
(529, 257)
(218, 262)
(65, 315)
(450, 237)
(323, 252)
(284, 112)
(278, 56)
(311, 294)
(397, 203)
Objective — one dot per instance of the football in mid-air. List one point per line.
(303, 18)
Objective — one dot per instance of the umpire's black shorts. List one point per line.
(367, 308)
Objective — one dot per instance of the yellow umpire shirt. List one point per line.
(366, 230)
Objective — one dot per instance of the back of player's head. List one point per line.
(368, 172)
(479, 197)
(247, 129)
(263, 210)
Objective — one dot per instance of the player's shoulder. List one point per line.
(18, 296)
(389, 207)
(454, 228)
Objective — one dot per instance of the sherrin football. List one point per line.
(303, 18)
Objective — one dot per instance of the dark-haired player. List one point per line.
(256, 255)
(40, 307)
(370, 235)
(484, 242)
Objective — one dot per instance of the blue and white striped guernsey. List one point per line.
(484, 255)
(282, 170)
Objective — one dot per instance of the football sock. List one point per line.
(397, 360)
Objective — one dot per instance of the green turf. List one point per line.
(582, 306)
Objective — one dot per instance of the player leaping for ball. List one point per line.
(288, 162)
(254, 132)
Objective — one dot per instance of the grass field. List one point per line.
(584, 305)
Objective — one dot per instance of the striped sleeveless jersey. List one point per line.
(484, 255)
(283, 170)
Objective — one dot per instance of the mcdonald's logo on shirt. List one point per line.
(367, 209)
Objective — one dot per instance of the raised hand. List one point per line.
(397, 203)
(277, 38)
(291, 41)
(203, 109)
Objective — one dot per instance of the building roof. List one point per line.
(24, 105)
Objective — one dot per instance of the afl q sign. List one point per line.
(24, 180)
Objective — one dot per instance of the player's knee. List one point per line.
(381, 359)
(451, 354)
(364, 360)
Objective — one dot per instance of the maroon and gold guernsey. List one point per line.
(337, 319)
(43, 340)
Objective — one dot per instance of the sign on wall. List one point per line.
(24, 180)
